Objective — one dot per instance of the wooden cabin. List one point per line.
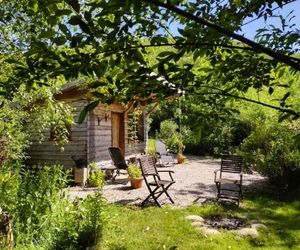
(103, 127)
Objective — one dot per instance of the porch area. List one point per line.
(194, 185)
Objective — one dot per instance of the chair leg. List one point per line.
(114, 177)
(218, 190)
(151, 195)
(165, 190)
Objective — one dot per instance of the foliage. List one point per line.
(75, 39)
(271, 150)
(44, 217)
(175, 144)
(172, 137)
(27, 116)
(133, 123)
(134, 171)
(167, 129)
(96, 176)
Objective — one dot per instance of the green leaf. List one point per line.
(74, 4)
(165, 54)
(284, 117)
(286, 96)
(196, 54)
(97, 84)
(87, 109)
(48, 33)
(76, 20)
(64, 12)
(271, 90)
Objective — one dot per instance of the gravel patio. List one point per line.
(194, 184)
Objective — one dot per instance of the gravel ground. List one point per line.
(194, 184)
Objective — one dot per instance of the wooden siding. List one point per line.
(90, 140)
(47, 152)
(99, 134)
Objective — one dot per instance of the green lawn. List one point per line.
(167, 228)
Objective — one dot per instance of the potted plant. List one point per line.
(135, 175)
(176, 145)
(96, 176)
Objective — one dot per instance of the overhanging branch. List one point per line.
(224, 93)
(178, 45)
(256, 46)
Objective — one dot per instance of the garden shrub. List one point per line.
(96, 176)
(167, 129)
(271, 150)
(175, 144)
(44, 216)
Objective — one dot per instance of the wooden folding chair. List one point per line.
(155, 184)
(229, 180)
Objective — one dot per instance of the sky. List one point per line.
(249, 30)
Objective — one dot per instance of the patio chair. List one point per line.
(118, 161)
(155, 184)
(165, 158)
(230, 177)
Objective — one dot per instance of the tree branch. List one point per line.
(179, 45)
(256, 46)
(224, 93)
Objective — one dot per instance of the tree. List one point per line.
(108, 41)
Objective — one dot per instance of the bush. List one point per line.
(271, 150)
(167, 129)
(175, 144)
(44, 217)
(96, 179)
(96, 176)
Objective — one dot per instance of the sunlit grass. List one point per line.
(167, 228)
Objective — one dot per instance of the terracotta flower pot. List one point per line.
(180, 159)
(136, 183)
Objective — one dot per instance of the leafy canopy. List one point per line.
(108, 43)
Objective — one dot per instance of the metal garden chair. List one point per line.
(155, 184)
(165, 158)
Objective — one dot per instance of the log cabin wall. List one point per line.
(99, 134)
(89, 140)
(47, 152)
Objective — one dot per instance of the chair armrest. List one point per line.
(215, 172)
(167, 171)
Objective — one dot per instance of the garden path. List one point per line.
(194, 184)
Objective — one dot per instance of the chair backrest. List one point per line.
(161, 147)
(148, 166)
(231, 163)
(117, 157)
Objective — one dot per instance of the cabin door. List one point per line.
(117, 131)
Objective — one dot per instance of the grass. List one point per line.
(167, 228)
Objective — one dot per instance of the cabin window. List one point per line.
(54, 132)
(135, 127)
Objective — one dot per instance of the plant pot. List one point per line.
(180, 159)
(80, 176)
(136, 183)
